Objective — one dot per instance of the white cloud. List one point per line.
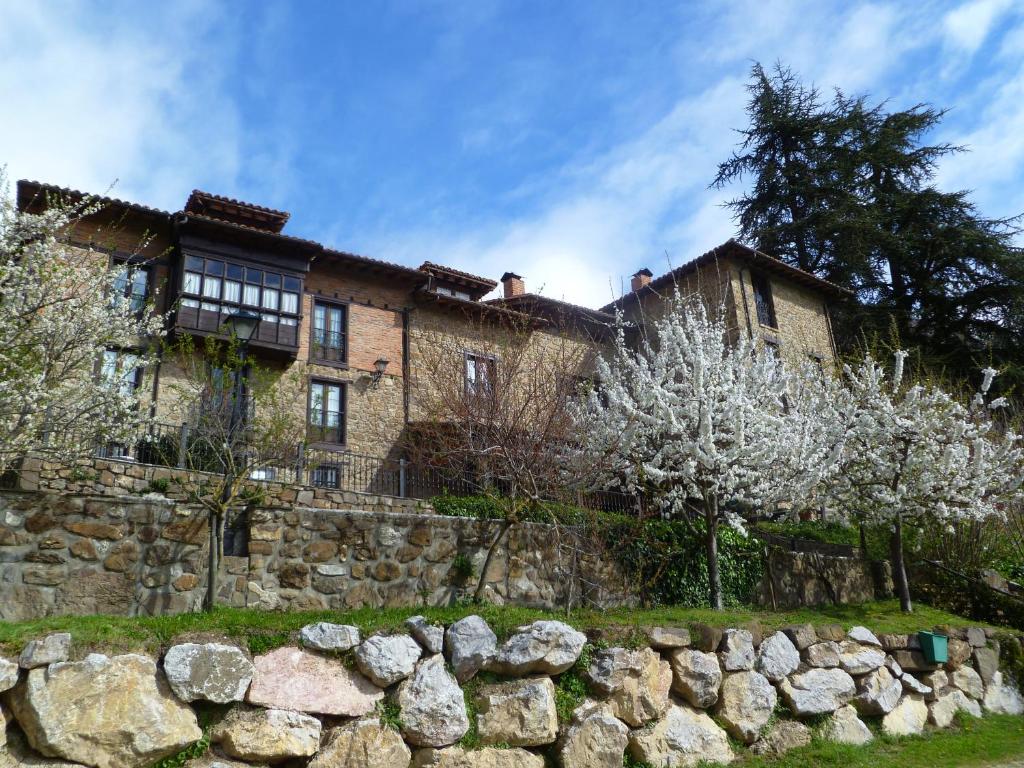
(128, 96)
(966, 27)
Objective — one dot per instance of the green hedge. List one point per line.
(665, 560)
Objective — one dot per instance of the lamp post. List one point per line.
(241, 326)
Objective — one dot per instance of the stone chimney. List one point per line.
(513, 284)
(641, 278)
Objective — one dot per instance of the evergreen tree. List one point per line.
(844, 189)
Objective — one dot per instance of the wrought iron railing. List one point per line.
(180, 446)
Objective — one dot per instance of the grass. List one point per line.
(262, 631)
(984, 742)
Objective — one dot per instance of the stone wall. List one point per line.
(111, 477)
(799, 579)
(64, 554)
(686, 696)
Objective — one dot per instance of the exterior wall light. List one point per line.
(379, 366)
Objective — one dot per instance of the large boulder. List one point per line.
(667, 638)
(822, 655)
(777, 657)
(857, 659)
(325, 636)
(845, 727)
(520, 713)
(936, 680)
(208, 672)
(303, 681)
(817, 691)
(635, 683)
(968, 681)
(684, 737)
(267, 735)
(594, 739)
(140, 721)
(9, 672)
(386, 659)
(433, 708)
(908, 718)
(986, 661)
(544, 648)
(471, 645)
(18, 754)
(801, 635)
(1002, 697)
(745, 704)
(737, 650)
(430, 636)
(696, 676)
(362, 743)
(783, 736)
(48, 650)
(878, 693)
(912, 685)
(950, 701)
(864, 636)
(958, 652)
(489, 757)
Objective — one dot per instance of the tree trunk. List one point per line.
(899, 570)
(714, 579)
(482, 583)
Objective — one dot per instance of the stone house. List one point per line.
(378, 342)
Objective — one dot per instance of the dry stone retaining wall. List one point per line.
(339, 700)
(62, 554)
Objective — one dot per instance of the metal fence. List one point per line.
(177, 445)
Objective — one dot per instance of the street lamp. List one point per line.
(241, 326)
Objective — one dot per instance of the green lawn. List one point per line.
(263, 630)
(987, 742)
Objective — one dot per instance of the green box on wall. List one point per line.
(934, 647)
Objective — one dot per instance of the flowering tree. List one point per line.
(696, 417)
(914, 453)
(63, 317)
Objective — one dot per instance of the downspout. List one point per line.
(746, 308)
(405, 365)
(831, 335)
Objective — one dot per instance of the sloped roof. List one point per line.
(735, 249)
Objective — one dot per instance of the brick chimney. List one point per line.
(641, 278)
(513, 284)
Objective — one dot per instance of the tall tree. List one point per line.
(844, 189)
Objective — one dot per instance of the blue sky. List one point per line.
(571, 142)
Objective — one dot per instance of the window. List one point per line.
(763, 301)
(327, 411)
(224, 286)
(326, 476)
(132, 283)
(480, 374)
(121, 371)
(329, 331)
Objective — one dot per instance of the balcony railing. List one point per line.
(179, 446)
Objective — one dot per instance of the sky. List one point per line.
(570, 142)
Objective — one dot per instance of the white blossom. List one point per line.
(59, 312)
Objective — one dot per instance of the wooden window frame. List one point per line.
(767, 300)
(311, 429)
(346, 317)
(492, 359)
